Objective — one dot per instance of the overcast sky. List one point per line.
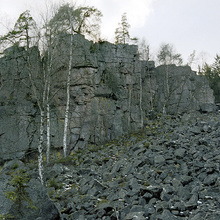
(187, 24)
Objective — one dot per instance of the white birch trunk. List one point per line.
(140, 100)
(40, 104)
(129, 106)
(48, 105)
(48, 133)
(150, 86)
(40, 147)
(168, 91)
(41, 138)
(66, 120)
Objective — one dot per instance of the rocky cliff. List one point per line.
(111, 93)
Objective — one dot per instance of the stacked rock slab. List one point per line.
(111, 93)
(18, 111)
(180, 90)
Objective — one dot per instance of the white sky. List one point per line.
(187, 24)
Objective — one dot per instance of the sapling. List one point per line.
(18, 195)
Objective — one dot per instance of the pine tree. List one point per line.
(122, 35)
(18, 194)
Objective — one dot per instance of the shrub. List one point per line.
(53, 183)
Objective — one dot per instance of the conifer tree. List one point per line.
(122, 35)
(18, 194)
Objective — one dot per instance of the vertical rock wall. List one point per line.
(180, 90)
(18, 112)
(112, 92)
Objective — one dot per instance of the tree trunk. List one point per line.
(129, 106)
(41, 107)
(66, 121)
(140, 100)
(40, 147)
(48, 133)
(168, 90)
(47, 90)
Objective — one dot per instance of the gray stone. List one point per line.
(210, 179)
(135, 215)
(193, 202)
(180, 152)
(208, 107)
(77, 215)
(166, 214)
(137, 208)
(195, 130)
(159, 159)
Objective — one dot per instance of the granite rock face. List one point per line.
(180, 90)
(111, 93)
(18, 112)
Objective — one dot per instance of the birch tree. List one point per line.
(63, 22)
(24, 34)
(144, 50)
(85, 21)
(167, 56)
(144, 53)
(191, 58)
(49, 45)
(72, 20)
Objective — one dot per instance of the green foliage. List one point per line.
(6, 216)
(94, 148)
(212, 73)
(146, 183)
(53, 183)
(101, 201)
(18, 194)
(65, 160)
(80, 20)
(24, 30)
(122, 35)
(14, 166)
(167, 55)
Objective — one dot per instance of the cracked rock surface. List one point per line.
(169, 170)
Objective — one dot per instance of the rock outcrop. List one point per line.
(111, 94)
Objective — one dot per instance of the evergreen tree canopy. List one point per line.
(122, 35)
(212, 73)
(24, 31)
